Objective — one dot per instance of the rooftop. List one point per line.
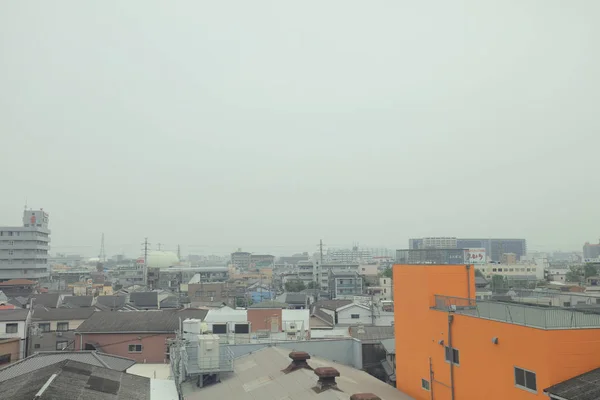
(78, 301)
(581, 387)
(269, 304)
(18, 282)
(63, 314)
(159, 321)
(44, 359)
(535, 316)
(72, 380)
(261, 375)
(332, 305)
(375, 333)
(14, 315)
(46, 299)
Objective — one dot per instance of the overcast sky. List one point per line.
(269, 125)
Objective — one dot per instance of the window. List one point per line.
(493, 269)
(11, 252)
(452, 355)
(425, 384)
(525, 379)
(61, 345)
(36, 346)
(4, 359)
(12, 328)
(135, 348)
(62, 326)
(219, 328)
(44, 327)
(384, 282)
(355, 316)
(241, 328)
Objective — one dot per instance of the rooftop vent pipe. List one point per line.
(364, 396)
(327, 377)
(298, 361)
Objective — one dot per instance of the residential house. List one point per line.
(297, 301)
(73, 380)
(111, 303)
(10, 348)
(18, 287)
(257, 292)
(140, 335)
(441, 327)
(231, 325)
(320, 320)
(355, 314)
(47, 300)
(78, 301)
(211, 295)
(54, 328)
(14, 324)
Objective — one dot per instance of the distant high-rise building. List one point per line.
(24, 249)
(241, 259)
(591, 250)
(494, 247)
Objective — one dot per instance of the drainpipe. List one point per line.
(450, 320)
(468, 281)
(430, 379)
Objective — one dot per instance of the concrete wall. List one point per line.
(265, 319)
(345, 316)
(12, 347)
(153, 345)
(343, 351)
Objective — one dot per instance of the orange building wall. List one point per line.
(260, 318)
(486, 370)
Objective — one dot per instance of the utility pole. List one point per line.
(318, 282)
(179, 252)
(145, 244)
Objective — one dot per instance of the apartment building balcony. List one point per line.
(541, 317)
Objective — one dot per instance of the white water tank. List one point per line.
(208, 352)
(191, 328)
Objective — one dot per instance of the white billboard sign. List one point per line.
(476, 256)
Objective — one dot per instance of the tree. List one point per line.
(295, 286)
(574, 275)
(387, 273)
(311, 285)
(499, 282)
(590, 270)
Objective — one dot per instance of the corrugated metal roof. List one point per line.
(389, 345)
(332, 304)
(44, 359)
(372, 332)
(581, 387)
(13, 315)
(259, 376)
(79, 301)
(73, 381)
(49, 300)
(138, 321)
(63, 314)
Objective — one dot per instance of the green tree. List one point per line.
(294, 286)
(499, 282)
(590, 270)
(311, 285)
(575, 273)
(387, 273)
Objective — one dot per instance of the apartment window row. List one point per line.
(60, 327)
(24, 261)
(514, 269)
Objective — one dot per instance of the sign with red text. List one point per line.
(476, 256)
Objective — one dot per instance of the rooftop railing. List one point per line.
(519, 314)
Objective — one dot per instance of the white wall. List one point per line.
(301, 318)
(21, 334)
(345, 316)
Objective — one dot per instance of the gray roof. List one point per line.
(44, 359)
(111, 301)
(144, 299)
(14, 315)
(367, 333)
(61, 314)
(74, 381)
(157, 321)
(389, 345)
(49, 300)
(295, 298)
(581, 387)
(259, 375)
(79, 301)
(323, 316)
(332, 304)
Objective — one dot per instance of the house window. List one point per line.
(61, 345)
(525, 379)
(355, 316)
(219, 328)
(36, 346)
(62, 326)
(135, 348)
(12, 328)
(44, 327)
(4, 359)
(452, 355)
(425, 384)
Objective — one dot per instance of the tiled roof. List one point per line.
(72, 380)
(46, 299)
(79, 301)
(62, 314)
(159, 321)
(260, 375)
(269, 304)
(581, 387)
(44, 359)
(144, 299)
(323, 316)
(14, 315)
(332, 304)
(295, 298)
(111, 301)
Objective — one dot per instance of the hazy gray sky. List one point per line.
(272, 124)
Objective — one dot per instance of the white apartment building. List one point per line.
(24, 249)
(532, 271)
(439, 243)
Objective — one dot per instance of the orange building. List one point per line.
(450, 346)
